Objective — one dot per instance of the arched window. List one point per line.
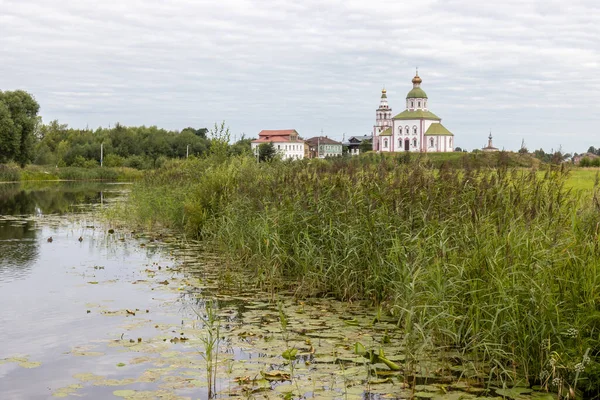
(412, 104)
(407, 130)
(431, 142)
(450, 142)
(400, 130)
(414, 129)
(419, 104)
(385, 143)
(414, 142)
(399, 143)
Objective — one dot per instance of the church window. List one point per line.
(414, 130)
(419, 104)
(400, 130)
(431, 142)
(414, 142)
(399, 143)
(412, 104)
(407, 130)
(385, 143)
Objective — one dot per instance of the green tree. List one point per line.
(242, 146)
(365, 146)
(18, 121)
(266, 151)
(219, 140)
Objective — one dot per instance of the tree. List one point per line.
(458, 149)
(365, 146)
(592, 150)
(202, 132)
(242, 146)
(18, 121)
(266, 151)
(219, 140)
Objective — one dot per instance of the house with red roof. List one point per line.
(287, 143)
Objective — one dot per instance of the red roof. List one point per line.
(275, 139)
(280, 132)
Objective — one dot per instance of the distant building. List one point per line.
(490, 147)
(322, 146)
(353, 144)
(414, 129)
(577, 159)
(287, 143)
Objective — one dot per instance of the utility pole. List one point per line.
(101, 154)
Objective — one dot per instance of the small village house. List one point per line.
(287, 143)
(322, 146)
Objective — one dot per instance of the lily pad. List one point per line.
(67, 390)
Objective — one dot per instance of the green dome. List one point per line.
(416, 93)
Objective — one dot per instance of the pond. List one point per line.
(92, 309)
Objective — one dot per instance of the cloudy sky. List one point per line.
(526, 69)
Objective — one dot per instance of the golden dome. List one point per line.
(383, 91)
(417, 79)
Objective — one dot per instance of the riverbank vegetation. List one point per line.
(14, 173)
(501, 263)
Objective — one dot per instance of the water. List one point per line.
(89, 308)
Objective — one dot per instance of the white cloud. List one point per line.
(515, 66)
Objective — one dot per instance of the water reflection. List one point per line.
(19, 241)
(35, 198)
(18, 248)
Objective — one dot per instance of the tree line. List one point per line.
(25, 139)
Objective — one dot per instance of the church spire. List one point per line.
(383, 104)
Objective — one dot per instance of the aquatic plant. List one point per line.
(498, 264)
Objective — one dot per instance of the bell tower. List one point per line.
(383, 119)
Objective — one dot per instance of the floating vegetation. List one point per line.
(21, 361)
(67, 390)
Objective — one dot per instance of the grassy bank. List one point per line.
(501, 264)
(13, 173)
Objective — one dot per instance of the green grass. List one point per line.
(583, 178)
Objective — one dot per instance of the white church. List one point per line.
(415, 129)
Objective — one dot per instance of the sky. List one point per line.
(526, 70)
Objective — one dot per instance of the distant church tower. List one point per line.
(383, 119)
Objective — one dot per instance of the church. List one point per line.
(415, 129)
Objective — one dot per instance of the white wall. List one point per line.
(287, 150)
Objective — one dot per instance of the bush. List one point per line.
(10, 173)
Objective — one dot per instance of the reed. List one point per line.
(501, 264)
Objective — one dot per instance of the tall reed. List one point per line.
(500, 263)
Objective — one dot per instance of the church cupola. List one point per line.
(383, 104)
(416, 99)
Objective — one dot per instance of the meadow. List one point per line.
(500, 263)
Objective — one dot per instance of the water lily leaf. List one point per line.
(290, 354)
(88, 377)
(275, 375)
(359, 349)
(380, 381)
(515, 393)
(114, 382)
(67, 390)
(351, 322)
(29, 364)
(125, 393)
